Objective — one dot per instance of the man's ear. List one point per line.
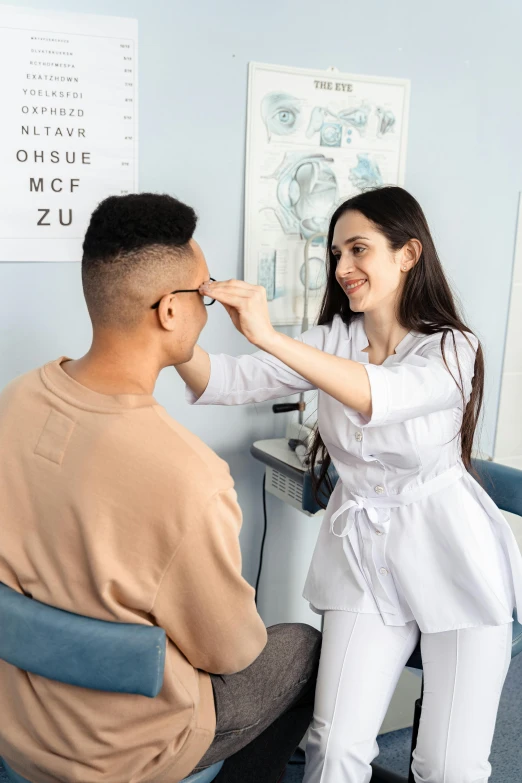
(167, 313)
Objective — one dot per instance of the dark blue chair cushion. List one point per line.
(205, 776)
(13, 776)
(82, 651)
(309, 502)
(503, 484)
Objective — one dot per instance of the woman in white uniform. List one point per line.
(410, 544)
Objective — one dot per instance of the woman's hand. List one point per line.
(343, 379)
(247, 306)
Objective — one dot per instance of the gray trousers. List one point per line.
(264, 711)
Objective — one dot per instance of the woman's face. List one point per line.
(368, 271)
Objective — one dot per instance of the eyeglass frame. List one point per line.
(184, 291)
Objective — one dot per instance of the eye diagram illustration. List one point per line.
(316, 121)
(356, 118)
(331, 134)
(386, 121)
(316, 273)
(348, 118)
(306, 193)
(266, 270)
(281, 114)
(366, 174)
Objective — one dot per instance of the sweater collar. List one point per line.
(60, 383)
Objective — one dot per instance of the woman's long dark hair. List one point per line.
(427, 305)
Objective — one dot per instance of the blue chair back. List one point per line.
(96, 654)
(503, 484)
(82, 651)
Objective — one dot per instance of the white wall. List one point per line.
(464, 164)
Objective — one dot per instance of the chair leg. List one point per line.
(415, 732)
(381, 775)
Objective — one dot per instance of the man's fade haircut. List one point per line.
(135, 248)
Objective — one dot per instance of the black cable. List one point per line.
(264, 537)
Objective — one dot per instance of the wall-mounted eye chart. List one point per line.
(314, 138)
(68, 136)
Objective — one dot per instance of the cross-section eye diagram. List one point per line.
(305, 194)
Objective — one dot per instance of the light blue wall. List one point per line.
(464, 164)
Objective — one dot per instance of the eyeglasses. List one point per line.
(207, 300)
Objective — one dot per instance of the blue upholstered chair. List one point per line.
(504, 485)
(81, 651)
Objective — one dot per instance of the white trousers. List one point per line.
(361, 662)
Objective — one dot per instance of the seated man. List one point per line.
(112, 509)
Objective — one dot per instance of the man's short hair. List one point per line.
(135, 247)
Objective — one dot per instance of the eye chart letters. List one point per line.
(68, 136)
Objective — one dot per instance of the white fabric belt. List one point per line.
(356, 504)
(362, 514)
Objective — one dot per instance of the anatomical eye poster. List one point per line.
(68, 136)
(314, 139)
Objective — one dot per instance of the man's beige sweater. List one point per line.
(111, 509)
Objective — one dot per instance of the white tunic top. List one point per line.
(407, 533)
